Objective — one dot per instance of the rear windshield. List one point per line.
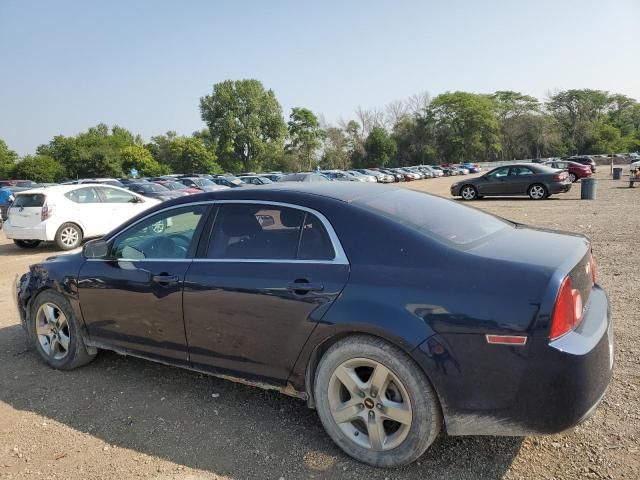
(26, 200)
(444, 220)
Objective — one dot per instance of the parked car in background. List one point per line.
(288, 290)
(472, 167)
(177, 186)
(20, 183)
(201, 183)
(397, 176)
(584, 160)
(228, 181)
(103, 181)
(304, 177)
(535, 180)
(576, 170)
(363, 176)
(67, 214)
(255, 179)
(274, 177)
(339, 176)
(154, 190)
(128, 181)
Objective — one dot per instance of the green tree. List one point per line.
(8, 160)
(189, 155)
(94, 153)
(465, 126)
(244, 121)
(336, 151)
(380, 148)
(305, 135)
(135, 156)
(516, 113)
(40, 168)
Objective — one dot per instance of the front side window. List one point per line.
(83, 195)
(165, 235)
(113, 195)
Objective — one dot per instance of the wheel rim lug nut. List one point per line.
(379, 406)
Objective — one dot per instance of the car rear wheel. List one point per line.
(56, 333)
(537, 192)
(375, 402)
(572, 177)
(468, 192)
(69, 236)
(27, 243)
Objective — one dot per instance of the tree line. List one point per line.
(245, 130)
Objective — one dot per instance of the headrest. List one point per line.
(238, 222)
(291, 217)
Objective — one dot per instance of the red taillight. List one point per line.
(567, 312)
(559, 178)
(46, 212)
(592, 266)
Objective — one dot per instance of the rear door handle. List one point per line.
(165, 279)
(304, 287)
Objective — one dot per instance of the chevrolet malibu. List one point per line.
(284, 286)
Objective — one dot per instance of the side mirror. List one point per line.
(95, 249)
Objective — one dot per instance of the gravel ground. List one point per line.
(121, 417)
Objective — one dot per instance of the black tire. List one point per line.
(77, 353)
(537, 191)
(426, 416)
(68, 236)
(27, 243)
(468, 192)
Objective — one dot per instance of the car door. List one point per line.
(88, 211)
(123, 205)
(494, 182)
(520, 179)
(266, 276)
(132, 300)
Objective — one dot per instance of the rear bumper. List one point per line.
(38, 232)
(559, 187)
(540, 388)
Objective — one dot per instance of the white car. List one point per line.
(67, 214)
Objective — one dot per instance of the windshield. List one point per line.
(444, 220)
(175, 185)
(203, 182)
(152, 187)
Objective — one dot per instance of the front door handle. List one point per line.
(303, 287)
(165, 279)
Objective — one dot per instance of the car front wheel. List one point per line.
(375, 402)
(468, 192)
(56, 333)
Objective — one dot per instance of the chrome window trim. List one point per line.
(340, 257)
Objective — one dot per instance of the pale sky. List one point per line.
(68, 65)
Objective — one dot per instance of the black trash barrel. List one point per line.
(617, 173)
(588, 188)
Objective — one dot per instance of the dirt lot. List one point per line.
(121, 417)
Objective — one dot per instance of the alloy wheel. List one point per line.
(52, 330)
(370, 404)
(572, 177)
(69, 236)
(468, 193)
(537, 192)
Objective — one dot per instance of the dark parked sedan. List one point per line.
(285, 287)
(532, 179)
(153, 190)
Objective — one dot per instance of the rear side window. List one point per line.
(444, 220)
(83, 195)
(27, 200)
(315, 243)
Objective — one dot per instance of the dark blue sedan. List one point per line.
(348, 296)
